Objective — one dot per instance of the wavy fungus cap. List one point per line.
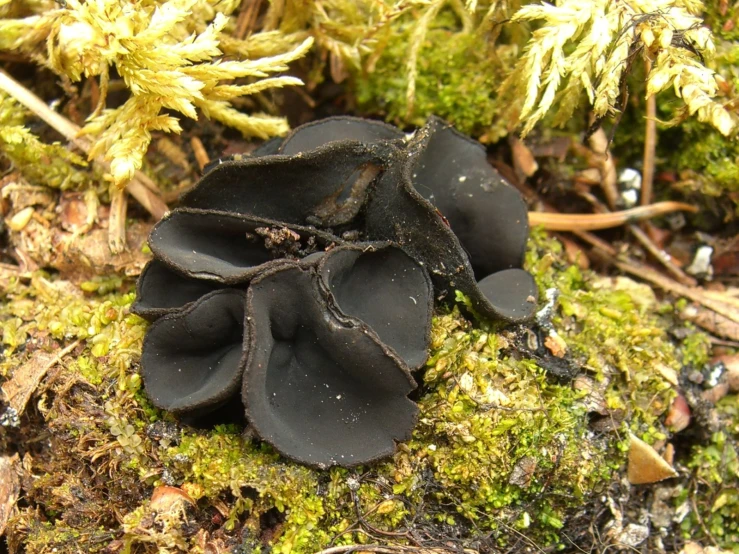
(303, 277)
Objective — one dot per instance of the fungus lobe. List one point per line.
(305, 274)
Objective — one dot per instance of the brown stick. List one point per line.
(117, 220)
(650, 145)
(201, 156)
(662, 257)
(593, 222)
(695, 294)
(608, 178)
(145, 196)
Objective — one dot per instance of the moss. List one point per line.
(503, 445)
(458, 74)
(51, 165)
(714, 491)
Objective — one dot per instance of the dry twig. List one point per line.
(663, 257)
(650, 145)
(607, 167)
(592, 222)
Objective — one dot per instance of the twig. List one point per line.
(201, 156)
(117, 220)
(247, 19)
(695, 294)
(599, 144)
(138, 186)
(389, 549)
(650, 142)
(662, 257)
(592, 222)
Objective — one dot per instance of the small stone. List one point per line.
(645, 464)
(632, 535)
(555, 344)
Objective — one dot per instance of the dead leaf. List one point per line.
(523, 472)
(678, 417)
(732, 370)
(524, 162)
(669, 374)
(19, 389)
(712, 322)
(80, 257)
(10, 486)
(165, 498)
(695, 548)
(716, 393)
(645, 463)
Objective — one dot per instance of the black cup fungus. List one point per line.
(301, 280)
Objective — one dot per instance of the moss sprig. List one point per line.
(40, 163)
(168, 58)
(590, 47)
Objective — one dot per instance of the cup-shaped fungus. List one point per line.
(193, 359)
(304, 275)
(322, 391)
(385, 289)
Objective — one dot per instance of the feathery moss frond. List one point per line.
(590, 46)
(167, 53)
(40, 163)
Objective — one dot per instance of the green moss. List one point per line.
(51, 165)
(714, 491)
(502, 446)
(458, 74)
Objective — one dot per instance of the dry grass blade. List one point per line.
(594, 222)
(711, 301)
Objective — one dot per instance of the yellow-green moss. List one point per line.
(501, 447)
(458, 74)
(714, 490)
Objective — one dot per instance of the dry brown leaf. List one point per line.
(669, 374)
(79, 257)
(695, 548)
(10, 487)
(712, 322)
(523, 160)
(645, 463)
(165, 498)
(678, 417)
(716, 393)
(19, 388)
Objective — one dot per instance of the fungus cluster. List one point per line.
(303, 278)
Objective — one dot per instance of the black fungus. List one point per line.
(320, 390)
(388, 291)
(160, 290)
(226, 247)
(193, 359)
(334, 243)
